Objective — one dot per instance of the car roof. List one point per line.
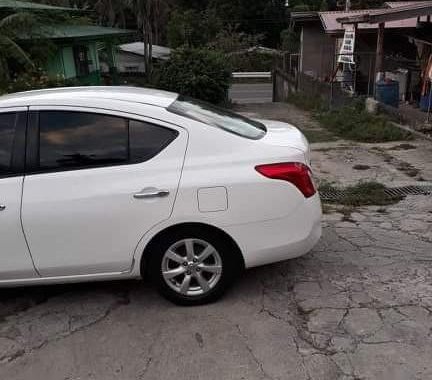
(149, 96)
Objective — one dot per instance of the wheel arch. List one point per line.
(187, 226)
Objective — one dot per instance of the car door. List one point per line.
(15, 259)
(97, 182)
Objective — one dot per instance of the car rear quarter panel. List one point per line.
(216, 158)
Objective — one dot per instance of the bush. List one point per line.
(34, 80)
(199, 73)
(251, 61)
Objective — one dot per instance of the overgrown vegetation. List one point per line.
(35, 79)
(306, 102)
(355, 123)
(199, 73)
(362, 194)
(25, 47)
(351, 122)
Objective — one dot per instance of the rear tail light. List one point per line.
(294, 172)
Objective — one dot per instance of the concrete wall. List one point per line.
(317, 52)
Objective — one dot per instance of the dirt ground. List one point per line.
(359, 306)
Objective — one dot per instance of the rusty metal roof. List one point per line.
(331, 25)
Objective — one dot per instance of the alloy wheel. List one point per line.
(191, 267)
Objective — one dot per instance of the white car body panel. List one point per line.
(87, 221)
(15, 259)
(85, 224)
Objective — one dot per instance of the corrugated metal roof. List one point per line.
(14, 4)
(397, 4)
(331, 25)
(159, 52)
(78, 31)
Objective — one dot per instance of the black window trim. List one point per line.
(17, 168)
(32, 147)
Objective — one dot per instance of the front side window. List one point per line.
(7, 133)
(73, 140)
(218, 117)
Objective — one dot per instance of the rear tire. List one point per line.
(193, 267)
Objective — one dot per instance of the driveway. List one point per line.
(248, 93)
(359, 306)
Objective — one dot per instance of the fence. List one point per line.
(333, 86)
(337, 84)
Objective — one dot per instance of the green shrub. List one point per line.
(199, 73)
(34, 80)
(251, 61)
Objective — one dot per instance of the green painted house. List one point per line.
(77, 46)
(77, 55)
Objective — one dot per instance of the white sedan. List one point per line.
(100, 183)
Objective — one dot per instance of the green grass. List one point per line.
(305, 102)
(362, 194)
(318, 135)
(354, 123)
(350, 122)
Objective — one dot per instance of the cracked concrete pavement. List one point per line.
(359, 306)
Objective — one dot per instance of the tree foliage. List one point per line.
(290, 40)
(199, 73)
(192, 28)
(10, 50)
(267, 17)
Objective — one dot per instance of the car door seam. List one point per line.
(134, 261)
(22, 227)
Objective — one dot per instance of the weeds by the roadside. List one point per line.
(361, 194)
(319, 135)
(308, 103)
(351, 122)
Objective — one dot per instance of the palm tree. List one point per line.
(110, 12)
(143, 10)
(11, 26)
(148, 18)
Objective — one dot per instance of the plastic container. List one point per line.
(401, 76)
(424, 102)
(387, 92)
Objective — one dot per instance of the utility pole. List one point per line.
(347, 5)
(379, 52)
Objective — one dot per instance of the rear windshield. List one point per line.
(218, 117)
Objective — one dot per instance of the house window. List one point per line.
(82, 62)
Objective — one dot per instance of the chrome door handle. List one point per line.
(151, 193)
(2, 207)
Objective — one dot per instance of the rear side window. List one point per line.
(146, 140)
(218, 117)
(7, 134)
(74, 140)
